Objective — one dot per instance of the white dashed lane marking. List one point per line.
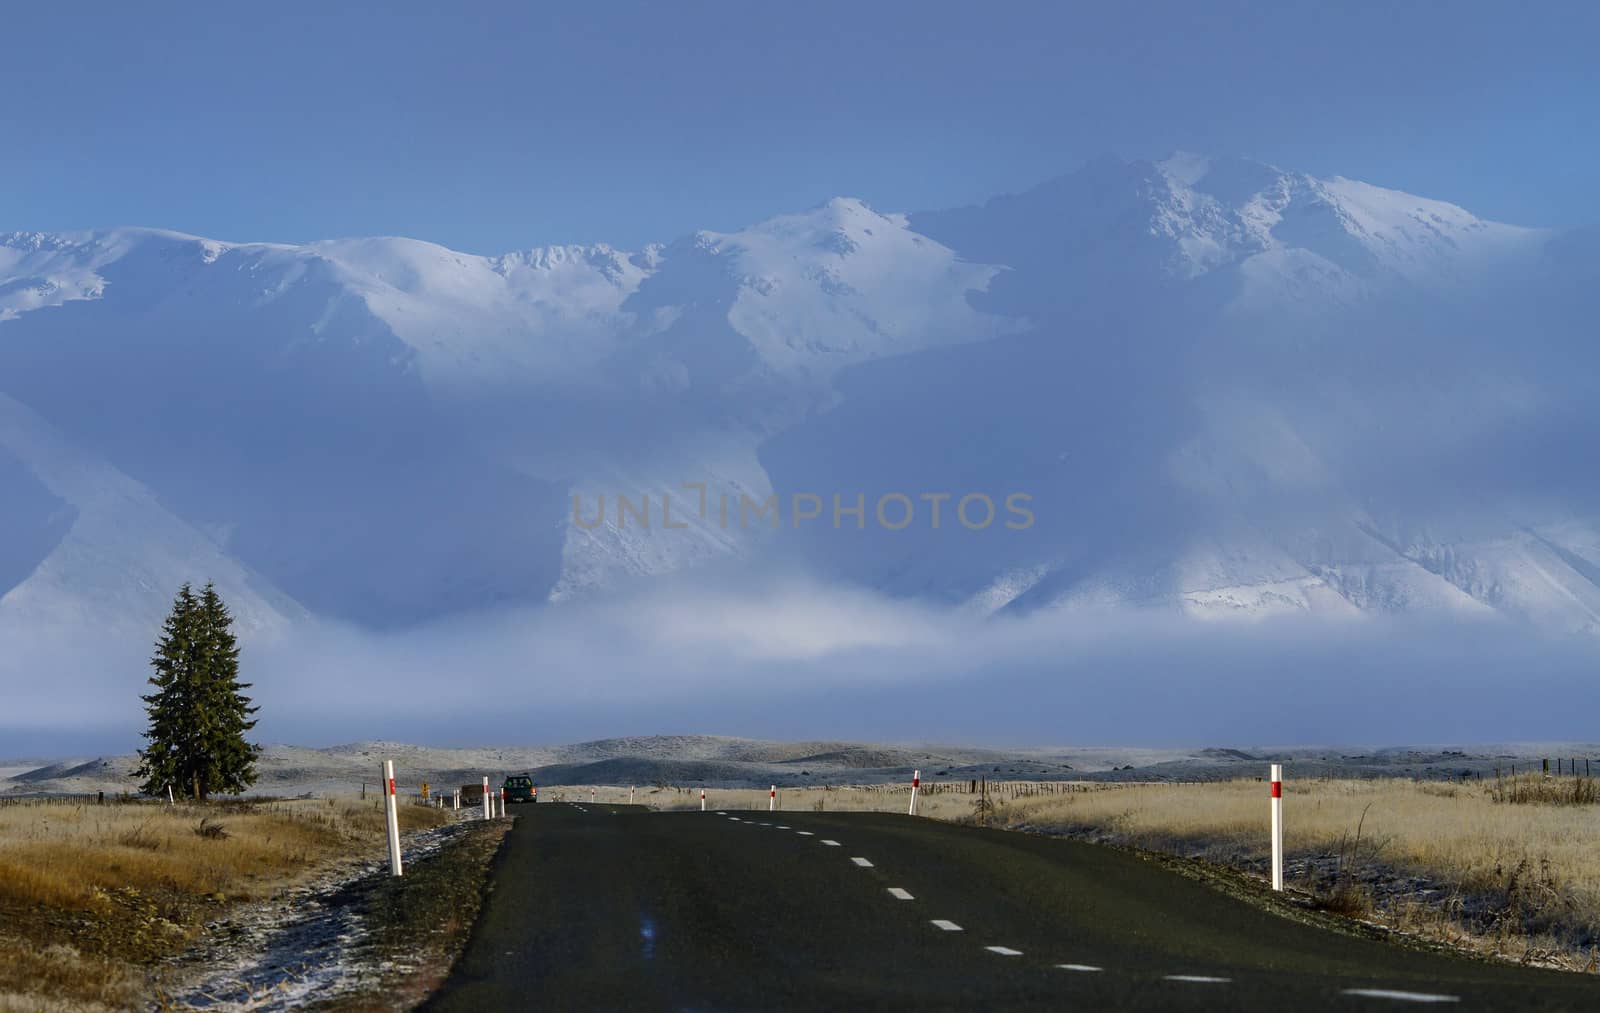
(1400, 996)
(945, 925)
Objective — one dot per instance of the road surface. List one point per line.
(605, 907)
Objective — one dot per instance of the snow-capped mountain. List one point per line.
(1221, 388)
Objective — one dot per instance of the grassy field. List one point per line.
(1500, 867)
(93, 896)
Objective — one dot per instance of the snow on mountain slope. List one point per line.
(842, 284)
(665, 526)
(549, 314)
(1213, 233)
(1094, 342)
(1361, 228)
(1517, 573)
(44, 270)
(121, 558)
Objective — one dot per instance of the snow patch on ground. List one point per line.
(308, 944)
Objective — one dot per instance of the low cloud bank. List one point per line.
(794, 658)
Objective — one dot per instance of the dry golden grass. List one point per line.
(1515, 880)
(88, 893)
(48, 979)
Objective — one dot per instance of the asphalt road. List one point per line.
(599, 907)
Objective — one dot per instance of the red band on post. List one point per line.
(391, 786)
(1277, 789)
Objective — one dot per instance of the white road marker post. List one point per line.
(502, 803)
(630, 794)
(1277, 827)
(594, 795)
(487, 801)
(916, 782)
(170, 800)
(772, 799)
(702, 800)
(391, 812)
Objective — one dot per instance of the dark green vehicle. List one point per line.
(519, 788)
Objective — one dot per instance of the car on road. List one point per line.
(518, 788)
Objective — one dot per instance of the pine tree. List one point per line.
(227, 711)
(198, 713)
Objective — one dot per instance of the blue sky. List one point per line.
(489, 127)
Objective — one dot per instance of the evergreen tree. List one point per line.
(198, 713)
(231, 760)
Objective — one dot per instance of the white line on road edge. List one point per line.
(1390, 993)
(805, 833)
(782, 827)
(862, 862)
(1080, 967)
(831, 844)
(899, 894)
(722, 814)
(946, 924)
(1004, 951)
(1197, 979)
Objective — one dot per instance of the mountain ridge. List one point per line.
(1209, 339)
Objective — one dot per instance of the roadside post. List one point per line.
(772, 799)
(594, 793)
(391, 812)
(488, 800)
(916, 782)
(502, 802)
(702, 800)
(630, 794)
(1277, 827)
